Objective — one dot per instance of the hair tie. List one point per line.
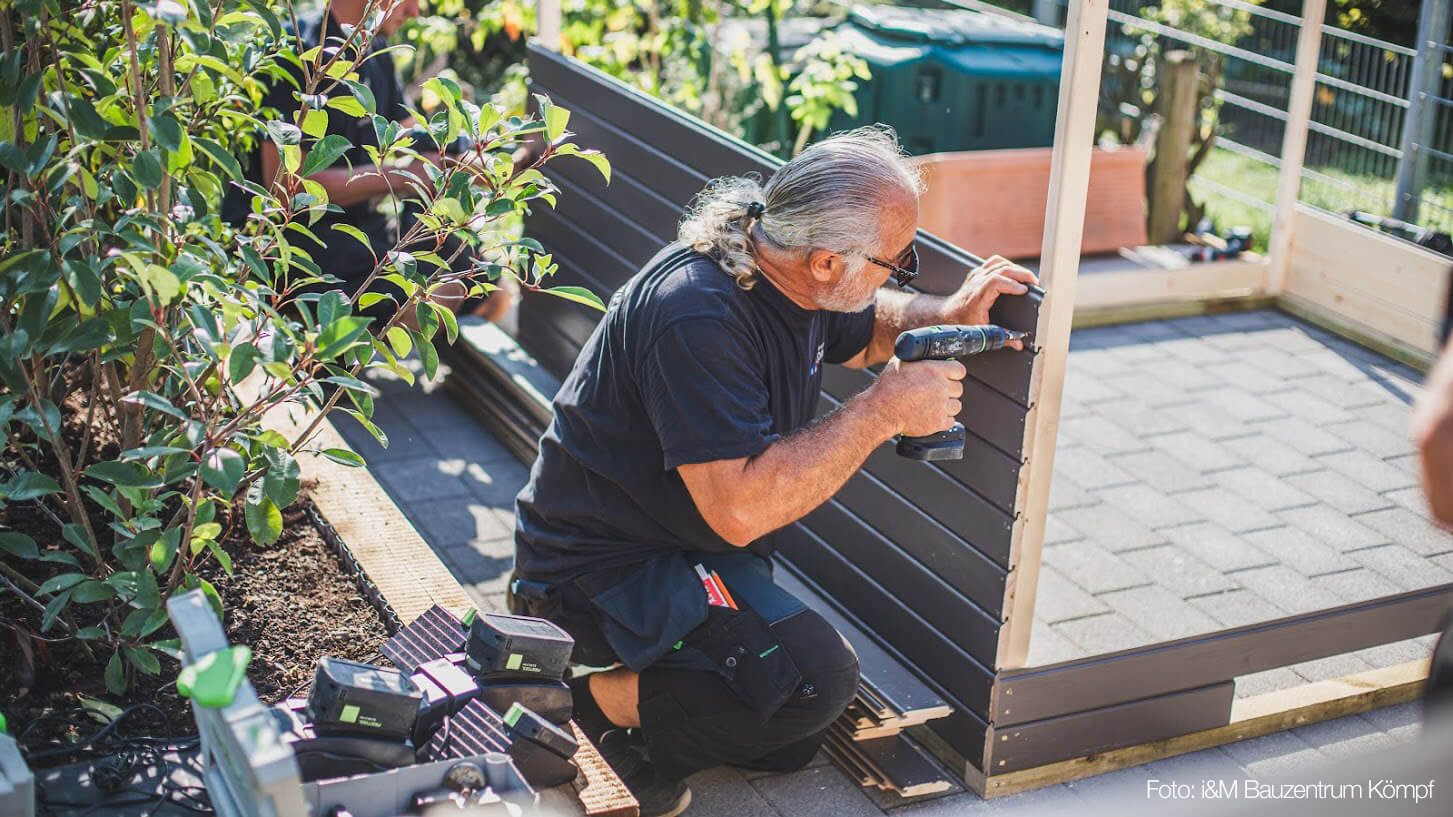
(755, 210)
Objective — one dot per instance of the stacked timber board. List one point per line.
(920, 551)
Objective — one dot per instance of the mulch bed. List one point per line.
(291, 602)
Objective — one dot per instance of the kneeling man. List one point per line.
(685, 435)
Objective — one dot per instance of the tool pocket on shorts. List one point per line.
(749, 658)
(646, 614)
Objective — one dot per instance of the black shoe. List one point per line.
(658, 795)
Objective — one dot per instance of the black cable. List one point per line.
(97, 737)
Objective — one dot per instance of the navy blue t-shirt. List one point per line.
(685, 367)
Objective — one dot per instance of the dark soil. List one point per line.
(290, 602)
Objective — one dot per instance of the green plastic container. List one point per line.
(955, 80)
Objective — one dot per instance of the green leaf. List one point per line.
(241, 362)
(166, 131)
(343, 456)
(283, 478)
(580, 295)
(146, 167)
(223, 469)
(91, 591)
(148, 594)
(363, 94)
(350, 230)
(64, 581)
(165, 549)
(398, 338)
(154, 401)
(74, 533)
(324, 154)
(555, 118)
(338, 335)
(142, 660)
(148, 451)
(595, 157)
(315, 123)
(451, 325)
(207, 530)
(428, 356)
(18, 544)
(284, 134)
(115, 674)
(53, 609)
(221, 156)
(126, 474)
(83, 114)
(347, 105)
(29, 485)
(226, 560)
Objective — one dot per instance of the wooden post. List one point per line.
(1069, 183)
(1178, 77)
(1421, 116)
(1294, 144)
(548, 23)
(1047, 12)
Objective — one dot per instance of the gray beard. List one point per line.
(838, 299)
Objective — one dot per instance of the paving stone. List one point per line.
(1218, 547)
(1140, 419)
(1109, 793)
(1160, 612)
(1057, 531)
(1411, 530)
(1295, 339)
(1088, 388)
(1157, 468)
(486, 564)
(1370, 437)
(1359, 584)
(420, 478)
(820, 790)
(445, 522)
(497, 483)
(1445, 561)
(1403, 721)
(1393, 415)
(1065, 493)
(1104, 633)
(1086, 467)
(1150, 390)
(1339, 492)
(1410, 498)
(1058, 599)
(1347, 737)
(1207, 764)
(1184, 375)
(1280, 364)
(1102, 436)
(1196, 352)
(1276, 755)
(1261, 489)
(1228, 510)
(1069, 407)
(1242, 405)
(1303, 436)
(819, 759)
(1094, 568)
(1325, 669)
(1350, 370)
(1334, 528)
(1237, 608)
(1405, 568)
(1308, 407)
(1247, 377)
(1197, 451)
(1260, 683)
(1212, 421)
(723, 792)
(1287, 589)
(469, 443)
(1048, 646)
(1148, 505)
(1410, 464)
(1271, 455)
(1178, 571)
(1152, 331)
(1371, 472)
(1097, 362)
(1300, 551)
(1114, 529)
(1340, 393)
(404, 441)
(966, 803)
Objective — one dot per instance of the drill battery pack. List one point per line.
(526, 724)
(552, 700)
(362, 699)
(503, 647)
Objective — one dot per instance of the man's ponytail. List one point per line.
(719, 223)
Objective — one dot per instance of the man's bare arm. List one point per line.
(746, 498)
(897, 312)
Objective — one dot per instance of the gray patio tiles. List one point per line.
(436, 448)
(1227, 469)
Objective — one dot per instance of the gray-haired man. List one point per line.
(684, 436)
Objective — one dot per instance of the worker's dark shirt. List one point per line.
(685, 367)
(378, 74)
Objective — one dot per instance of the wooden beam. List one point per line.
(1250, 717)
(548, 27)
(1294, 142)
(1235, 278)
(1069, 182)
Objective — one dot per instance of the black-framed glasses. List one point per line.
(907, 267)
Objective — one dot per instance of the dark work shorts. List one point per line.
(692, 719)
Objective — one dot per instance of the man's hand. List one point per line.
(1433, 430)
(998, 276)
(919, 398)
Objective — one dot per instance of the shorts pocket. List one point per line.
(751, 660)
(646, 614)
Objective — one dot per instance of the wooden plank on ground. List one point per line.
(896, 761)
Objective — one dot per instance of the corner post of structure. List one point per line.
(1069, 182)
(1419, 120)
(1294, 144)
(548, 25)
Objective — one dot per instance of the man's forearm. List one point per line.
(895, 313)
(804, 469)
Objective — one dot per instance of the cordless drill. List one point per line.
(944, 343)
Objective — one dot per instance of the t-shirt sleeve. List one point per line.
(848, 333)
(703, 386)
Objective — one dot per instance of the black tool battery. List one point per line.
(552, 700)
(502, 647)
(446, 688)
(526, 724)
(353, 698)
